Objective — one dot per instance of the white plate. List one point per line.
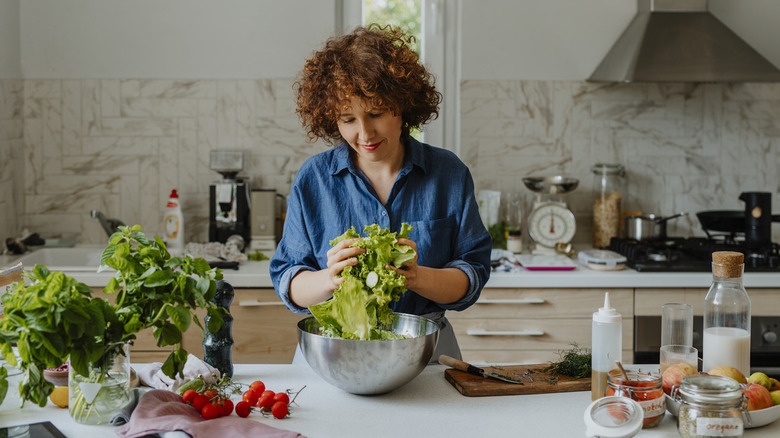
(759, 418)
(557, 262)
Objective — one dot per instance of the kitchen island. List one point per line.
(427, 406)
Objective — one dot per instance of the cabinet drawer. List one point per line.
(529, 333)
(648, 301)
(522, 357)
(553, 303)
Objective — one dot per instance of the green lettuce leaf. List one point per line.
(357, 310)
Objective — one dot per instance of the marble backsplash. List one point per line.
(11, 157)
(120, 146)
(685, 147)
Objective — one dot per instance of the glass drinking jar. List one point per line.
(710, 406)
(645, 388)
(608, 190)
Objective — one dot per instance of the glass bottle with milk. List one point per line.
(727, 315)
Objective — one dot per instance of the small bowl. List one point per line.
(58, 378)
(370, 367)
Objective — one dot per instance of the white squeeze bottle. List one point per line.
(606, 344)
(173, 225)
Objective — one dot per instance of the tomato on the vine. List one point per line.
(188, 396)
(211, 394)
(198, 401)
(282, 397)
(209, 412)
(242, 409)
(279, 410)
(225, 407)
(258, 386)
(266, 400)
(250, 396)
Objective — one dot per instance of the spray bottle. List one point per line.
(173, 225)
(606, 345)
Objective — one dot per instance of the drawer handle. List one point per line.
(480, 332)
(258, 303)
(512, 301)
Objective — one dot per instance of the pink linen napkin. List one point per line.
(160, 411)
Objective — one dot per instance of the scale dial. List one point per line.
(549, 224)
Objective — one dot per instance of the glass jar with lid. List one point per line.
(645, 388)
(710, 406)
(608, 190)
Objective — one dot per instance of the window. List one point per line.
(433, 22)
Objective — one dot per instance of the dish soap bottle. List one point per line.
(606, 346)
(727, 315)
(173, 225)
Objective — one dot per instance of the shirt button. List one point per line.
(384, 213)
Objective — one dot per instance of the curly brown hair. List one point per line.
(373, 63)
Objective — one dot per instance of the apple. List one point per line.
(761, 379)
(758, 397)
(727, 371)
(775, 397)
(774, 384)
(674, 375)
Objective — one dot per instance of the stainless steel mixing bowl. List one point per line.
(370, 367)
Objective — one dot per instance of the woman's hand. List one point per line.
(339, 257)
(409, 269)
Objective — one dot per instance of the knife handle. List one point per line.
(460, 365)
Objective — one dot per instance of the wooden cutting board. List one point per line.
(535, 381)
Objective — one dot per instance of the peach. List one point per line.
(758, 397)
(674, 375)
(727, 371)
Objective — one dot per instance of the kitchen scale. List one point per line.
(550, 221)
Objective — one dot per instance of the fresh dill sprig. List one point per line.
(574, 362)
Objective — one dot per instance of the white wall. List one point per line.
(566, 39)
(9, 40)
(172, 38)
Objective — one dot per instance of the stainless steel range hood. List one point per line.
(681, 41)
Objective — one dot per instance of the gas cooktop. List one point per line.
(692, 254)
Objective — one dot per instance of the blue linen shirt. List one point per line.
(434, 193)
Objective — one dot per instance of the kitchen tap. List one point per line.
(109, 225)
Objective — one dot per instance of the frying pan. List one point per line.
(732, 221)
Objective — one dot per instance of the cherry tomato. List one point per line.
(188, 396)
(199, 401)
(266, 401)
(250, 396)
(258, 386)
(282, 397)
(209, 412)
(211, 394)
(267, 392)
(242, 409)
(225, 407)
(279, 410)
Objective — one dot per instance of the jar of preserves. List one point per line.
(710, 406)
(645, 388)
(608, 189)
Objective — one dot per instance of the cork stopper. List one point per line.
(727, 264)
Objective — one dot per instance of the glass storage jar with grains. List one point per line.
(608, 189)
(710, 406)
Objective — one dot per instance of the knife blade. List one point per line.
(477, 371)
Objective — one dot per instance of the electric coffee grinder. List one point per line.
(229, 201)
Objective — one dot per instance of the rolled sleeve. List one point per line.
(283, 288)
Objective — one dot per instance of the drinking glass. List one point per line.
(677, 324)
(673, 354)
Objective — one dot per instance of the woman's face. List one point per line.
(374, 134)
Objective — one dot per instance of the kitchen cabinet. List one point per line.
(648, 301)
(264, 331)
(533, 325)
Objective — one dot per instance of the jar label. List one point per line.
(653, 408)
(719, 426)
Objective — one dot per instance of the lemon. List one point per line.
(59, 396)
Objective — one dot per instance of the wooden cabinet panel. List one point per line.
(648, 301)
(522, 357)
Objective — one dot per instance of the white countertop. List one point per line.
(255, 275)
(427, 406)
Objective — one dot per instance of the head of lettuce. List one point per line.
(360, 307)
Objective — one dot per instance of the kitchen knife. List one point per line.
(11, 275)
(477, 371)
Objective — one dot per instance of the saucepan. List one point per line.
(647, 226)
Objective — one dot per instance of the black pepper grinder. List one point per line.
(218, 347)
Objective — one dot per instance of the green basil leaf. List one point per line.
(159, 278)
(180, 316)
(3, 383)
(215, 319)
(167, 334)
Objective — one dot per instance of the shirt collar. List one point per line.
(414, 157)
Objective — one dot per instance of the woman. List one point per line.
(366, 91)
